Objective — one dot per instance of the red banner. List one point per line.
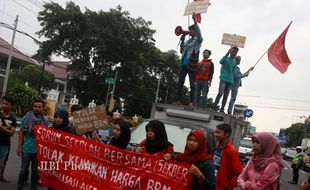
(68, 162)
(277, 55)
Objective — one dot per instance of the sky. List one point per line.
(277, 100)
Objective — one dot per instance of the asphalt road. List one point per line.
(13, 168)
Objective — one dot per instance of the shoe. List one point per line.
(222, 111)
(215, 107)
(178, 103)
(292, 182)
(4, 180)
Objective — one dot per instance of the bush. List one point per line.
(24, 96)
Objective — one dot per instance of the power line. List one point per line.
(25, 7)
(25, 23)
(36, 4)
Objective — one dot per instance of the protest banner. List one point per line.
(89, 119)
(196, 7)
(69, 162)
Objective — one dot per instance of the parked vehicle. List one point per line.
(306, 164)
(245, 150)
(305, 143)
(180, 120)
(289, 154)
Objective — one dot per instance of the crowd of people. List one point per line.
(201, 72)
(220, 170)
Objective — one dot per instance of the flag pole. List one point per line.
(260, 58)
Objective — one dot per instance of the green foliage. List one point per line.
(97, 43)
(24, 97)
(32, 75)
(295, 134)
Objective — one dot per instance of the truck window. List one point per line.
(246, 143)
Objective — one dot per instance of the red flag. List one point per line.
(198, 16)
(277, 55)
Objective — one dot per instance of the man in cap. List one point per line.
(296, 165)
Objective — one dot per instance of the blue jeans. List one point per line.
(202, 88)
(233, 97)
(28, 158)
(224, 89)
(4, 151)
(191, 74)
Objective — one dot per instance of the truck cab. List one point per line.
(180, 120)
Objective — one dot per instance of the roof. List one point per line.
(58, 68)
(5, 49)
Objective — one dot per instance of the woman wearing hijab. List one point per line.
(120, 134)
(263, 170)
(61, 121)
(156, 142)
(196, 153)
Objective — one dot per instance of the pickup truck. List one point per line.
(180, 120)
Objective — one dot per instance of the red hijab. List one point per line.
(201, 154)
(271, 151)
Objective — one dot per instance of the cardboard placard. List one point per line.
(196, 7)
(90, 119)
(233, 40)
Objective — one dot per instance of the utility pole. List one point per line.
(157, 90)
(8, 65)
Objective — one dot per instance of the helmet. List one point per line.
(299, 147)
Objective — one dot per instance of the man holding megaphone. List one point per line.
(190, 55)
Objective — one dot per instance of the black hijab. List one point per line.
(124, 138)
(161, 140)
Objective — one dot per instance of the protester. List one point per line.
(297, 164)
(105, 134)
(263, 170)
(226, 159)
(228, 63)
(204, 74)
(120, 134)
(156, 142)
(237, 83)
(7, 130)
(190, 55)
(27, 144)
(74, 108)
(61, 121)
(196, 153)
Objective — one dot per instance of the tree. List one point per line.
(295, 134)
(31, 74)
(98, 44)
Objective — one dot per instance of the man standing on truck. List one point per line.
(228, 63)
(296, 165)
(190, 55)
(204, 74)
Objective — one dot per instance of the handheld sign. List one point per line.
(196, 7)
(89, 119)
(233, 40)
